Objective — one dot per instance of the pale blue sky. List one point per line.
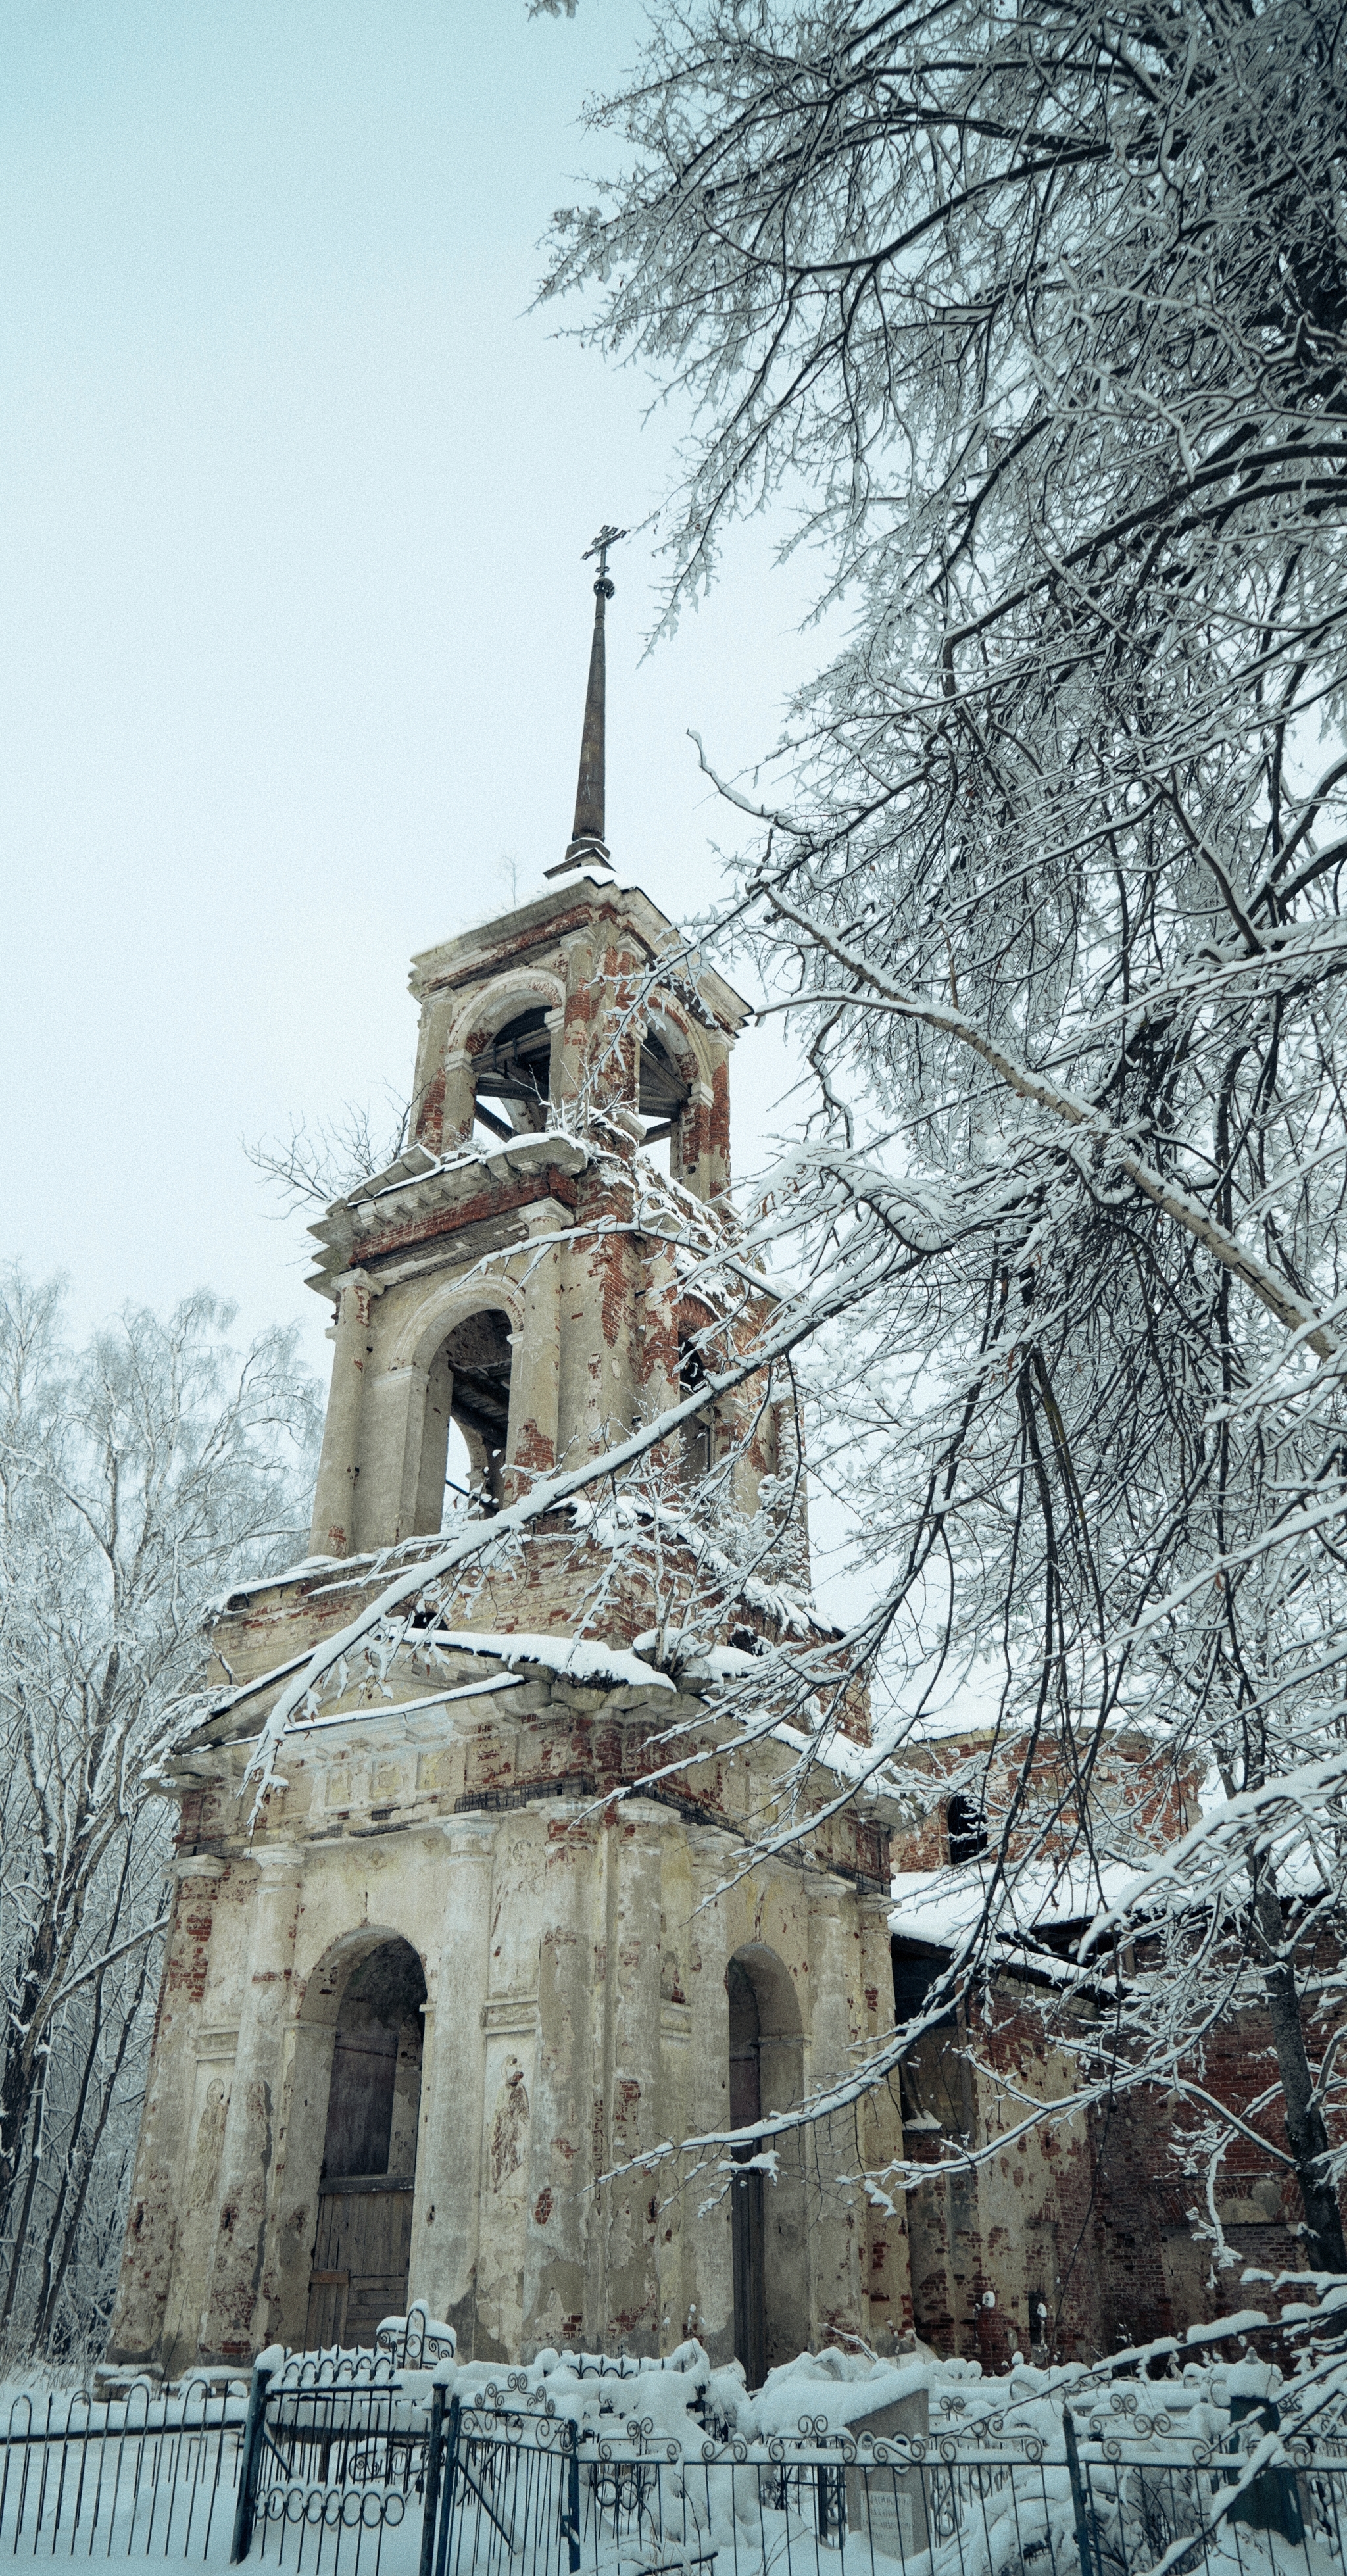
(293, 489)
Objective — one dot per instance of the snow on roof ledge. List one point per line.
(940, 1906)
(586, 1660)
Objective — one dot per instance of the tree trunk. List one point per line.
(1305, 2127)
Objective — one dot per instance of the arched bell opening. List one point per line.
(767, 2214)
(512, 1078)
(467, 1420)
(662, 1096)
(367, 2179)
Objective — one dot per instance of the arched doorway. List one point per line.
(766, 2048)
(362, 2246)
(750, 2304)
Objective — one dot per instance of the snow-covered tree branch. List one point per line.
(1037, 321)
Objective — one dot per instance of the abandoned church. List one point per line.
(452, 1957)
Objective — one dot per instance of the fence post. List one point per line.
(1077, 2494)
(430, 2503)
(448, 2485)
(571, 2525)
(250, 2465)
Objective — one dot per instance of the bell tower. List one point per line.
(572, 1056)
(508, 1914)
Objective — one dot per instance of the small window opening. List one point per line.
(513, 1078)
(697, 1445)
(662, 1094)
(966, 1826)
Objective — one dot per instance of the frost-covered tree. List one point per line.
(1036, 317)
(138, 1476)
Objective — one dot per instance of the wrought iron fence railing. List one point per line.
(361, 2465)
(520, 2494)
(150, 2475)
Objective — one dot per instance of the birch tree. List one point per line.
(137, 1477)
(1033, 320)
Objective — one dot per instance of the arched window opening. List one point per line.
(767, 2217)
(362, 2246)
(662, 1094)
(467, 1394)
(698, 1443)
(966, 1826)
(516, 1071)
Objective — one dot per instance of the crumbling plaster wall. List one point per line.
(575, 1958)
(992, 2243)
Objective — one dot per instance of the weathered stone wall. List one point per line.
(1078, 2238)
(575, 1951)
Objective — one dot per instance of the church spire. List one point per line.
(587, 843)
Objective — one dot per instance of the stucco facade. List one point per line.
(476, 1936)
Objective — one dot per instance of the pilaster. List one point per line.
(151, 2245)
(713, 1859)
(334, 1501)
(837, 2238)
(631, 2199)
(233, 2328)
(535, 1370)
(561, 2130)
(446, 2241)
(888, 2270)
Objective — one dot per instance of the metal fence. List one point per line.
(525, 2497)
(146, 2476)
(358, 2465)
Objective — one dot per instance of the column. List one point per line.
(556, 1091)
(561, 2127)
(535, 1369)
(632, 2284)
(597, 1404)
(713, 1858)
(656, 1360)
(235, 2321)
(572, 1041)
(888, 2270)
(306, 2076)
(449, 2149)
(717, 1165)
(151, 2243)
(677, 2224)
(392, 1422)
(334, 1496)
(837, 2238)
(460, 1100)
(428, 1082)
(694, 1140)
(429, 1510)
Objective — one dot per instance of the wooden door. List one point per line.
(361, 2258)
(750, 2302)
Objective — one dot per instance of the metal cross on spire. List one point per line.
(587, 845)
(606, 537)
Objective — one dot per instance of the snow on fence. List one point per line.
(149, 2477)
(403, 2462)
